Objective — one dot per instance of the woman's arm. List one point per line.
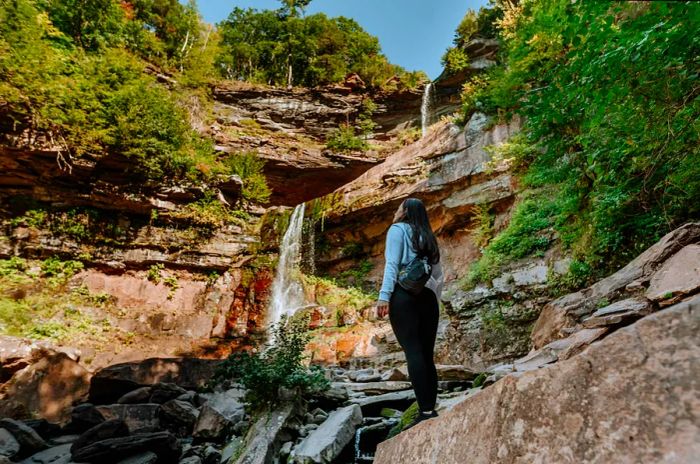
(392, 256)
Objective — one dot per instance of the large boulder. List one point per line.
(9, 446)
(138, 417)
(221, 412)
(639, 387)
(113, 450)
(108, 385)
(563, 314)
(29, 441)
(112, 428)
(325, 443)
(47, 387)
(267, 434)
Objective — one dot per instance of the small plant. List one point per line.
(64, 270)
(365, 121)
(154, 273)
(32, 218)
(172, 284)
(280, 365)
(344, 139)
(479, 380)
(250, 168)
(13, 266)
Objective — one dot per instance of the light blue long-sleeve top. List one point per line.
(399, 252)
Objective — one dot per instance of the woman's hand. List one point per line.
(382, 309)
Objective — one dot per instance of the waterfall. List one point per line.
(287, 290)
(426, 107)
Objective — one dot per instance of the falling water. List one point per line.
(287, 291)
(426, 107)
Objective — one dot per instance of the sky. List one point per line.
(413, 33)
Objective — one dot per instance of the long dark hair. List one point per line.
(424, 242)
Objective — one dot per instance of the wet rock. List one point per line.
(146, 457)
(353, 375)
(9, 447)
(325, 443)
(164, 392)
(138, 417)
(63, 440)
(47, 387)
(372, 405)
(373, 377)
(140, 395)
(638, 385)
(163, 444)
(678, 277)
(44, 428)
(111, 383)
(192, 460)
(29, 441)
(220, 412)
(56, 455)
(559, 349)
(113, 428)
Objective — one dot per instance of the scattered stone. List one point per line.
(141, 458)
(618, 313)
(230, 449)
(164, 392)
(29, 441)
(48, 387)
(372, 405)
(219, 413)
(678, 277)
(113, 382)
(374, 388)
(140, 395)
(373, 377)
(265, 437)
(211, 455)
(44, 428)
(9, 447)
(56, 455)
(163, 444)
(455, 372)
(332, 397)
(352, 375)
(178, 414)
(63, 439)
(240, 427)
(325, 443)
(191, 460)
(394, 374)
(83, 417)
(138, 417)
(190, 397)
(112, 428)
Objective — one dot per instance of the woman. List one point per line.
(414, 318)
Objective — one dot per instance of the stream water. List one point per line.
(426, 108)
(287, 290)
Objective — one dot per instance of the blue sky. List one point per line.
(413, 33)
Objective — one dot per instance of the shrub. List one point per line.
(250, 168)
(344, 139)
(280, 365)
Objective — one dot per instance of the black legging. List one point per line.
(415, 321)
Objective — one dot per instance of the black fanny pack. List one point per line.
(414, 275)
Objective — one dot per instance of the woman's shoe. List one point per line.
(420, 417)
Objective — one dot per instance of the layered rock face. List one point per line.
(629, 398)
(613, 377)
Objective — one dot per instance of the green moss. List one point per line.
(406, 418)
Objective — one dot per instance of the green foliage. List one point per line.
(344, 139)
(608, 92)
(280, 47)
(280, 365)
(482, 25)
(64, 270)
(406, 418)
(64, 72)
(483, 225)
(343, 293)
(529, 232)
(364, 121)
(209, 213)
(479, 380)
(13, 266)
(250, 168)
(154, 273)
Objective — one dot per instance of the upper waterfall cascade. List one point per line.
(426, 108)
(287, 290)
